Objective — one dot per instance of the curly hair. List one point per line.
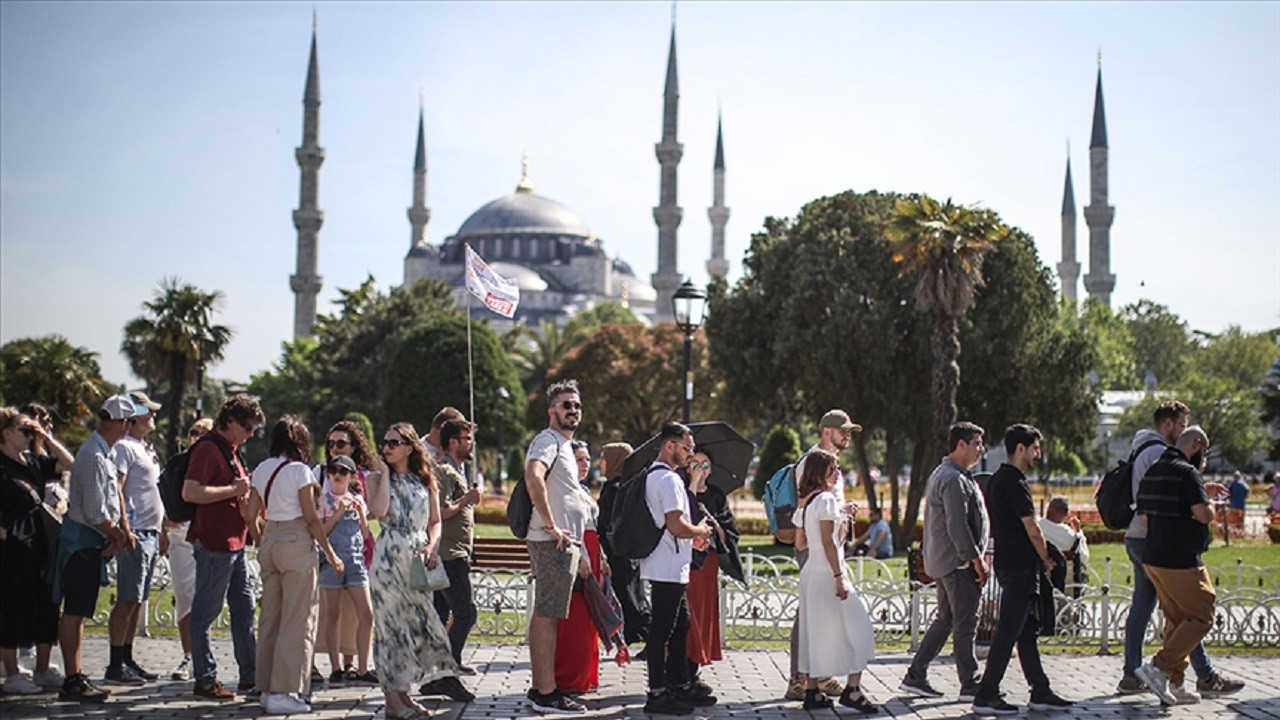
(817, 465)
(419, 461)
(243, 409)
(291, 439)
(360, 451)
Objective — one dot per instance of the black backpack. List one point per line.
(174, 476)
(632, 533)
(1115, 493)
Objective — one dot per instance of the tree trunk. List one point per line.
(892, 469)
(864, 471)
(946, 377)
(177, 388)
(915, 493)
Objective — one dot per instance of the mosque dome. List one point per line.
(523, 213)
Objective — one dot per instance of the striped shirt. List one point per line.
(1170, 488)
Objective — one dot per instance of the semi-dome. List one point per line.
(523, 213)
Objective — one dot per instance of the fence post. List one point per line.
(1239, 573)
(1104, 616)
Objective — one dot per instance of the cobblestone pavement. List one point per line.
(748, 683)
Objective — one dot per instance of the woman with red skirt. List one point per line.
(703, 593)
(577, 645)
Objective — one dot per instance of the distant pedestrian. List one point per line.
(877, 541)
(182, 568)
(625, 576)
(955, 538)
(721, 554)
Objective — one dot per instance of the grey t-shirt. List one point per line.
(141, 470)
(568, 508)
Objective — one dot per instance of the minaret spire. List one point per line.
(668, 214)
(1098, 214)
(308, 218)
(1068, 269)
(419, 213)
(717, 266)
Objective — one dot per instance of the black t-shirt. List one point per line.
(1166, 495)
(19, 480)
(1008, 501)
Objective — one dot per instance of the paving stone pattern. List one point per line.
(749, 684)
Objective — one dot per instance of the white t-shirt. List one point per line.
(564, 494)
(838, 490)
(141, 468)
(284, 492)
(669, 562)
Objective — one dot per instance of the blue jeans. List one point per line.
(1144, 603)
(222, 575)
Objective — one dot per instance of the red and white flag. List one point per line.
(496, 292)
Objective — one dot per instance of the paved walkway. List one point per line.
(748, 683)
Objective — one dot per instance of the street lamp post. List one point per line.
(202, 339)
(499, 478)
(688, 305)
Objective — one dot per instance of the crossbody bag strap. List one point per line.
(266, 499)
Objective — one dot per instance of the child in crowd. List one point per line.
(345, 519)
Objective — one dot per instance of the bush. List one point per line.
(782, 446)
(1273, 532)
(754, 526)
(491, 515)
(1097, 533)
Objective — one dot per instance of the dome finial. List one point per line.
(525, 186)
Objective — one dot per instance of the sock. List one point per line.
(128, 653)
(117, 656)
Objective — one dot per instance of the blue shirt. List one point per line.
(1239, 493)
(878, 528)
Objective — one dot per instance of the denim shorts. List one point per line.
(354, 573)
(135, 567)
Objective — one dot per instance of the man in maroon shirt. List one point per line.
(218, 482)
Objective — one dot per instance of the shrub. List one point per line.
(1098, 533)
(782, 446)
(1273, 532)
(491, 515)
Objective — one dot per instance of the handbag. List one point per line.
(422, 577)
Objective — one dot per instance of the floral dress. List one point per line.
(410, 644)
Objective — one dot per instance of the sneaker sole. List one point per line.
(124, 683)
(981, 710)
(919, 692)
(1046, 707)
(1217, 693)
(82, 699)
(1166, 698)
(545, 710)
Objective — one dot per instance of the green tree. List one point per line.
(536, 352)
(429, 371)
(1116, 366)
(585, 322)
(1270, 414)
(1238, 357)
(173, 342)
(52, 371)
(942, 246)
(1161, 340)
(781, 446)
(290, 385)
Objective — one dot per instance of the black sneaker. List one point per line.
(77, 688)
(1048, 701)
(137, 670)
(993, 706)
(919, 687)
(1216, 686)
(449, 687)
(698, 695)
(122, 675)
(337, 679)
(666, 704)
(555, 703)
(369, 677)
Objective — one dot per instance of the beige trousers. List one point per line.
(1186, 598)
(287, 619)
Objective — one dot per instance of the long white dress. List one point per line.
(835, 636)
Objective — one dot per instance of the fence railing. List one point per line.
(1090, 614)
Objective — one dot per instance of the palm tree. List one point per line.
(536, 352)
(942, 245)
(52, 371)
(174, 341)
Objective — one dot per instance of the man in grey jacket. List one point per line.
(955, 536)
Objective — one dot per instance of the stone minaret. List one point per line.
(717, 266)
(1099, 215)
(419, 214)
(668, 214)
(308, 218)
(1069, 269)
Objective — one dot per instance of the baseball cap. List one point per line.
(120, 407)
(140, 399)
(342, 461)
(839, 419)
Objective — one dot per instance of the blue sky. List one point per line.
(145, 140)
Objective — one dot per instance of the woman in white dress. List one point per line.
(836, 637)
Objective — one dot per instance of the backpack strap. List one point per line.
(1143, 447)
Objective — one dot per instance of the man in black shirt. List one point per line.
(1020, 557)
(1176, 502)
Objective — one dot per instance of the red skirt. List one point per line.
(577, 646)
(703, 597)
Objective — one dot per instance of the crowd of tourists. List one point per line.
(395, 610)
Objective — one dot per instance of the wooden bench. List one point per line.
(500, 554)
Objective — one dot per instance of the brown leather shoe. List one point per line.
(214, 691)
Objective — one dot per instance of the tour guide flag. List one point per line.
(496, 292)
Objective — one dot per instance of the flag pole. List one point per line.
(471, 384)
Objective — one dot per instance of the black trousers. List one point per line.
(458, 599)
(635, 606)
(668, 634)
(1016, 625)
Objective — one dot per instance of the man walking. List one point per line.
(667, 570)
(93, 527)
(218, 486)
(1149, 444)
(457, 509)
(555, 540)
(1176, 503)
(139, 470)
(1020, 557)
(955, 536)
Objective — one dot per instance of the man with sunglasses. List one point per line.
(218, 535)
(457, 513)
(555, 540)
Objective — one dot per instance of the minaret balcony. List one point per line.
(666, 215)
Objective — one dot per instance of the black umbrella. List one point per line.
(730, 454)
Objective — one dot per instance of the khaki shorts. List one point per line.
(553, 574)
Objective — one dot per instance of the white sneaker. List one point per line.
(182, 673)
(50, 677)
(284, 704)
(1154, 678)
(20, 684)
(1182, 696)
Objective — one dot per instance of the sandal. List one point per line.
(860, 703)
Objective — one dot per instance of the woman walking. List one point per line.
(703, 593)
(410, 643)
(283, 492)
(836, 637)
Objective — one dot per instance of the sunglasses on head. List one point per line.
(571, 405)
(337, 443)
(394, 442)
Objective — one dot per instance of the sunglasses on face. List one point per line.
(339, 470)
(339, 444)
(394, 442)
(571, 405)
(700, 466)
(27, 431)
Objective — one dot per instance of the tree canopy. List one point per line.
(53, 372)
